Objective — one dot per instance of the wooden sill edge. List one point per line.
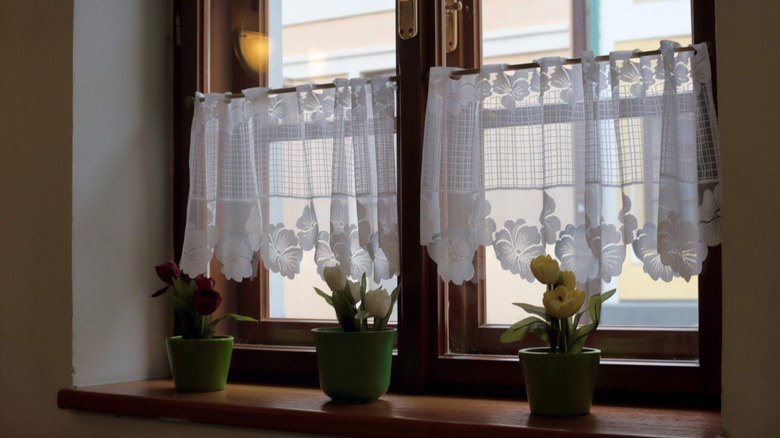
(308, 410)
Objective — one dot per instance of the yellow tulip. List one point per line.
(563, 302)
(568, 279)
(545, 269)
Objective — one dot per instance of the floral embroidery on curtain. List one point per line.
(586, 160)
(273, 176)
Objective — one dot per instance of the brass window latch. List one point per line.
(407, 19)
(452, 9)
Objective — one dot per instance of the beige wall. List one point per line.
(750, 150)
(85, 180)
(35, 186)
(50, 261)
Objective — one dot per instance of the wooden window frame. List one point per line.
(683, 361)
(424, 362)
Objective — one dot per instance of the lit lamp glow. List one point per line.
(251, 50)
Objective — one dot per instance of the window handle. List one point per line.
(452, 9)
(407, 19)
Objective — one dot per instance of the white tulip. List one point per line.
(335, 277)
(377, 303)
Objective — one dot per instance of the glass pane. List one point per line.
(514, 35)
(637, 24)
(313, 41)
(317, 40)
(542, 28)
(519, 32)
(296, 298)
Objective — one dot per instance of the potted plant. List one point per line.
(354, 360)
(559, 379)
(198, 357)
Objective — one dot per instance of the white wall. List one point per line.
(121, 188)
(93, 157)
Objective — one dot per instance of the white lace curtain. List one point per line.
(273, 176)
(585, 160)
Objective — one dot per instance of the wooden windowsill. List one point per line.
(308, 410)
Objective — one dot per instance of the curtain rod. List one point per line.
(292, 89)
(472, 71)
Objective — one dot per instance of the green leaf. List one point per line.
(345, 312)
(182, 304)
(212, 327)
(181, 298)
(210, 330)
(577, 319)
(534, 310)
(238, 317)
(580, 336)
(594, 307)
(576, 345)
(189, 323)
(362, 289)
(542, 331)
(161, 291)
(382, 323)
(393, 297)
(327, 297)
(364, 321)
(577, 342)
(520, 329)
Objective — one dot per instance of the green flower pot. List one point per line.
(199, 364)
(559, 384)
(354, 367)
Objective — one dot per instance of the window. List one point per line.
(441, 326)
(519, 35)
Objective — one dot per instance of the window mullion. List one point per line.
(417, 337)
(710, 279)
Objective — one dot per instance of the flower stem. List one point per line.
(556, 328)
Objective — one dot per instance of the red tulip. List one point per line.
(168, 271)
(204, 283)
(206, 301)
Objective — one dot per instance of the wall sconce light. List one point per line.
(251, 50)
